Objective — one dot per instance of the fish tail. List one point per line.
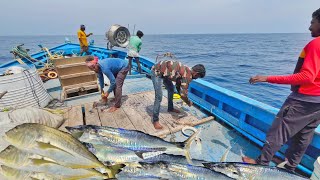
(225, 155)
(187, 144)
(115, 169)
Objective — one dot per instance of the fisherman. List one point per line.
(83, 40)
(116, 70)
(134, 48)
(299, 116)
(167, 71)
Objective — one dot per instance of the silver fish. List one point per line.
(250, 171)
(130, 139)
(179, 171)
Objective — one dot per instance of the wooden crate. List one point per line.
(75, 77)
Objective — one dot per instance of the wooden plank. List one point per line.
(70, 65)
(148, 106)
(122, 120)
(83, 88)
(80, 85)
(135, 102)
(107, 119)
(73, 116)
(91, 115)
(135, 118)
(77, 75)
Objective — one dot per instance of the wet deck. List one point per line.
(135, 114)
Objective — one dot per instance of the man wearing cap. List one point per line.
(116, 70)
(167, 71)
(83, 40)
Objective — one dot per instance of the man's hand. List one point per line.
(190, 103)
(258, 78)
(90, 34)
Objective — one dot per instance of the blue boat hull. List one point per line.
(249, 117)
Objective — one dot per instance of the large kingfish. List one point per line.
(54, 144)
(112, 155)
(249, 171)
(16, 158)
(130, 139)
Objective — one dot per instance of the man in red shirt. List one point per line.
(299, 116)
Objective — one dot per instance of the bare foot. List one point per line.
(113, 109)
(174, 110)
(248, 160)
(157, 125)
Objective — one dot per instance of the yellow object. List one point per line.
(52, 56)
(176, 96)
(82, 38)
(52, 75)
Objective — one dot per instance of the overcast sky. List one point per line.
(63, 17)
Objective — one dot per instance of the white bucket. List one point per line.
(23, 90)
(316, 172)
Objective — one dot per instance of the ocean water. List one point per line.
(230, 59)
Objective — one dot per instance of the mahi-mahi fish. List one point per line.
(56, 145)
(16, 158)
(130, 139)
(249, 171)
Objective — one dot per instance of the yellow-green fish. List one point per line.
(56, 145)
(16, 158)
(17, 174)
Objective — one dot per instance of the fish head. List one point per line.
(77, 131)
(24, 135)
(225, 168)
(11, 156)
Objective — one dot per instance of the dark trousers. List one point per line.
(296, 121)
(121, 76)
(84, 49)
(157, 84)
(137, 61)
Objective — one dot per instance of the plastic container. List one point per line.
(24, 89)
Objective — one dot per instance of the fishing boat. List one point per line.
(239, 122)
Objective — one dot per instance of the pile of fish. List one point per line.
(42, 152)
(150, 157)
(38, 152)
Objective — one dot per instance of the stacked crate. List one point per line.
(75, 77)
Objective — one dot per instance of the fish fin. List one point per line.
(281, 165)
(115, 169)
(139, 154)
(39, 162)
(225, 154)
(43, 145)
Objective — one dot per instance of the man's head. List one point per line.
(198, 71)
(92, 63)
(315, 24)
(139, 34)
(83, 27)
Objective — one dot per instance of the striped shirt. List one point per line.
(174, 71)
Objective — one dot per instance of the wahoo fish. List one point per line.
(111, 156)
(54, 144)
(180, 171)
(251, 171)
(145, 171)
(14, 174)
(130, 139)
(16, 158)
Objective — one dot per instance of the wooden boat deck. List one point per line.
(135, 114)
